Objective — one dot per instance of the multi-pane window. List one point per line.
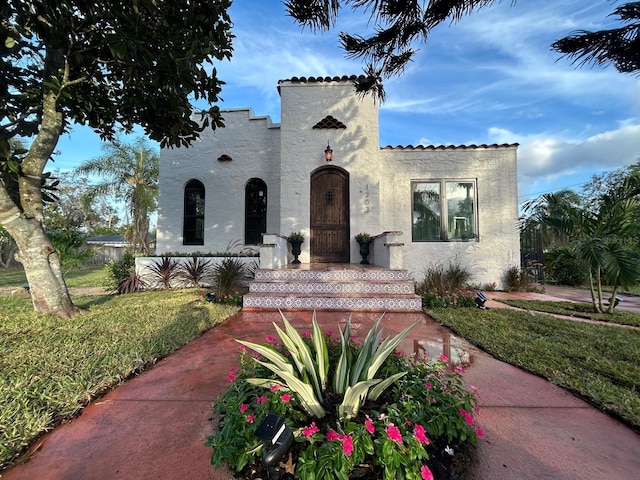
(193, 228)
(444, 210)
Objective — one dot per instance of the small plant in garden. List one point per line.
(194, 270)
(121, 275)
(363, 237)
(228, 276)
(446, 287)
(164, 272)
(457, 299)
(359, 409)
(295, 237)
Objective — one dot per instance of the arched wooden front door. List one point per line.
(330, 215)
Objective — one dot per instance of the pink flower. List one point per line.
(368, 424)
(418, 433)
(425, 473)
(243, 407)
(444, 358)
(459, 369)
(261, 399)
(250, 418)
(270, 339)
(347, 444)
(306, 334)
(232, 375)
(474, 389)
(243, 347)
(286, 398)
(394, 434)
(332, 435)
(467, 416)
(328, 333)
(479, 432)
(428, 386)
(275, 387)
(309, 431)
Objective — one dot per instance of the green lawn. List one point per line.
(88, 276)
(50, 368)
(600, 363)
(576, 309)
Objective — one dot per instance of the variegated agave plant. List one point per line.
(306, 372)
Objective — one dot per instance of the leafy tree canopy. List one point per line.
(619, 47)
(107, 64)
(399, 25)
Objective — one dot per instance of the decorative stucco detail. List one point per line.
(329, 122)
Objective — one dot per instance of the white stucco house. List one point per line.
(255, 182)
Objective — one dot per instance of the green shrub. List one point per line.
(116, 272)
(229, 276)
(565, 269)
(438, 279)
(458, 299)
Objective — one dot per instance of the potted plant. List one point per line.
(296, 239)
(364, 240)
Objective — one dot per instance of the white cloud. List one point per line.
(544, 158)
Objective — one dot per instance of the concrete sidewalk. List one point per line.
(154, 426)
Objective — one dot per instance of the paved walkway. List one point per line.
(154, 426)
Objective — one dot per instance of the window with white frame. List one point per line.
(444, 210)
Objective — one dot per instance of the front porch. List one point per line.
(332, 286)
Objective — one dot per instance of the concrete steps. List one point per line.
(337, 287)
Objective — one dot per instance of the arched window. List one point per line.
(193, 229)
(255, 218)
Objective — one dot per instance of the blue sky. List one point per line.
(491, 78)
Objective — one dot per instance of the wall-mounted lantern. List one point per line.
(328, 153)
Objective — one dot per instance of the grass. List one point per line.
(599, 363)
(87, 276)
(51, 368)
(576, 309)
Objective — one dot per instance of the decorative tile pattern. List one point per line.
(350, 288)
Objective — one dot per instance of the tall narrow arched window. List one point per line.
(193, 229)
(255, 217)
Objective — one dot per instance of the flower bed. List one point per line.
(356, 410)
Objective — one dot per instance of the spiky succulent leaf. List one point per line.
(376, 391)
(322, 352)
(385, 349)
(341, 376)
(353, 398)
(279, 360)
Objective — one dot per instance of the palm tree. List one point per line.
(128, 172)
(600, 237)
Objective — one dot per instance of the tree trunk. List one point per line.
(41, 264)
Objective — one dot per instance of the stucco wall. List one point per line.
(355, 149)
(253, 143)
(286, 155)
(494, 169)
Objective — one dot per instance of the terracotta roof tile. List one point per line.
(343, 78)
(449, 147)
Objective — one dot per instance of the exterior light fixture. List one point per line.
(276, 438)
(328, 153)
(480, 299)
